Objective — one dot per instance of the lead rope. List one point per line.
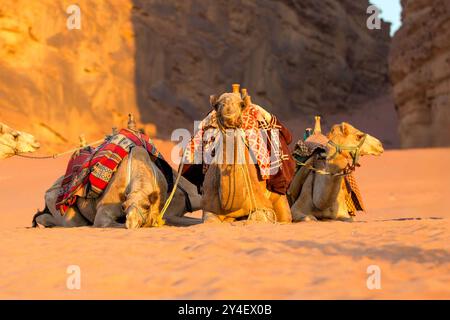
(160, 219)
(56, 155)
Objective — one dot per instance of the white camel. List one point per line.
(13, 142)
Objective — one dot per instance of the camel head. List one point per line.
(353, 142)
(13, 142)
(141, 209)
(229, 108)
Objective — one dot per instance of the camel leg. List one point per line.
(302, 209)
(209, 217)
(107, 217)
(176, 211)
(182, 221)
(299, 212)
(73, 218)
(196, 202)
(282, 210)
(44, 219)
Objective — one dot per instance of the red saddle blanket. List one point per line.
(90, 170)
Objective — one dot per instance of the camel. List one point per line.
(233, 190)
(13, 142)
(322, 196)
(133, 199)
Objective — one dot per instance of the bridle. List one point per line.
(355, 151)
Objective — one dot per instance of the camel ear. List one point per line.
(122, 197)
(344, 128)
(213, 101)
(153, 197)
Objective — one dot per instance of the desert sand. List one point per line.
(406, 232)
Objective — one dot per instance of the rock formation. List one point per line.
(296, 57)
(420, 73)
(162, 60)
(58, 83)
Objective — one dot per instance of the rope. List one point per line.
(339, 148)
(57, 155)
(345, 172)
(160, 219)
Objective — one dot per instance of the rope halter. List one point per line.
(355, 151)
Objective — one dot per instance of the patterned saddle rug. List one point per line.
(90, 169)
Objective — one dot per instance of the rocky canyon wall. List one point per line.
(420, 73)
(58, 83)
(296, 57)
(162, 60)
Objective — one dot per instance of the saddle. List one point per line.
(90, 170)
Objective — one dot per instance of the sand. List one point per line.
(406, 233)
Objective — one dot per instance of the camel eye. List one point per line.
(146, 207)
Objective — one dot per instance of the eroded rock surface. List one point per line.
(420, 73)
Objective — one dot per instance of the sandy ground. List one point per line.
(406, 232)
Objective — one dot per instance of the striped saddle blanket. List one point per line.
(90, 169)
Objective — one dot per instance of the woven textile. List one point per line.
(90, 170)
(207, 138)
(353, 197)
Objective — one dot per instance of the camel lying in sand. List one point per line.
(322, 196)
(133, 199)
(13, 142)
(233, 189)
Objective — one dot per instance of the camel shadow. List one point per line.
(391, 253)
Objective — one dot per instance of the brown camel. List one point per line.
(317, 195)
(133, 199)
(13, 142)
(233, 188)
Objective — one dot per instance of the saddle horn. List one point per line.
(317, 126)
(131, 122)
(247, 100)
(235, 87)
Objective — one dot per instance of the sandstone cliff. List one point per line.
(59, 83)
(162, 60)
(296, 57)
(420, 73)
